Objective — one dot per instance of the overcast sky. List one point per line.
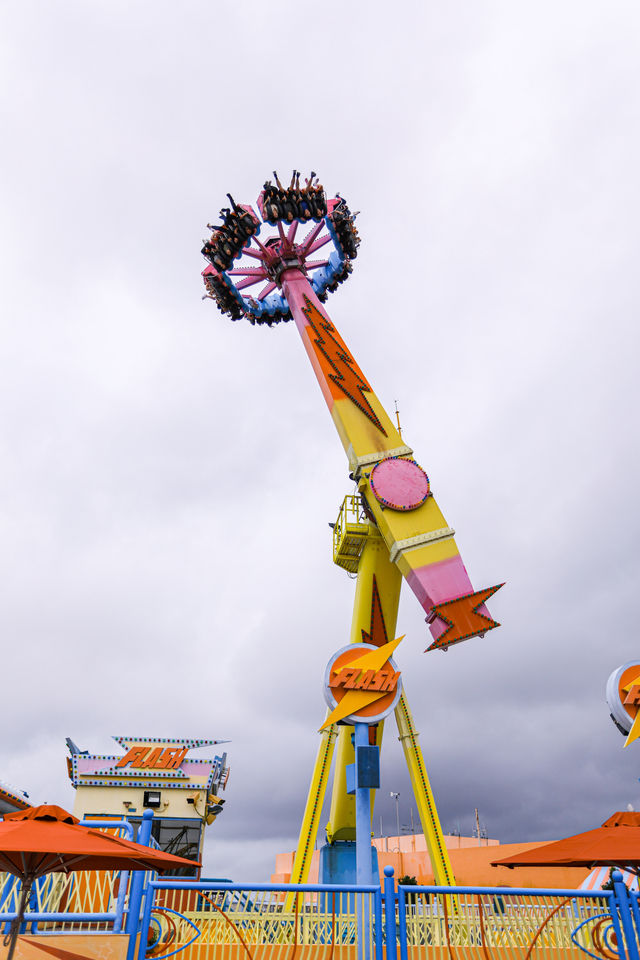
(167, 476)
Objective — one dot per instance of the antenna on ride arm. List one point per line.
(398, 418)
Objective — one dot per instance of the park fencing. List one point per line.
(268, 922)
(210, 920)
(507, 924)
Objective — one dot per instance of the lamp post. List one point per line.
(396, 797)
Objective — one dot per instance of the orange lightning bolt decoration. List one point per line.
(463, 618)
(359, 679)
(345, 372)
(377, 635)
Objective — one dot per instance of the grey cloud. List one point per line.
(168, 476)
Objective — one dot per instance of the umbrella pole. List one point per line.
(16, 923)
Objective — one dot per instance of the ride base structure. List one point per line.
(392, 529)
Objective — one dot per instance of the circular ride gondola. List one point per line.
(238, 259)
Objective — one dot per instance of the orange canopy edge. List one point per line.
(615, 843)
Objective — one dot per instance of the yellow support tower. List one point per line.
(313, 808)
(375, 611)
(358, 546)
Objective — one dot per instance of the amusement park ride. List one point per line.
(393, 527)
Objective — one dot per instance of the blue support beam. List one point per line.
(136, 887)
(363, 809)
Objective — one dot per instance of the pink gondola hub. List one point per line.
(399, 484)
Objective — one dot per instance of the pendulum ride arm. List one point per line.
(408, 537)
(419, 541)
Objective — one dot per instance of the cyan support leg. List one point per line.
(390, 913)
(363, 808)
(366, 775)
(626, 919)
(146, 921)
(136, 887)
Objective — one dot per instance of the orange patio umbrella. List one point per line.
(615, 844)
(47, 839)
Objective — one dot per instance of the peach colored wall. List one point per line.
(414, 843)
(471, 864)
(95, 946)
(472, 867)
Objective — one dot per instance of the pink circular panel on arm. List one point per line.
(399, 484)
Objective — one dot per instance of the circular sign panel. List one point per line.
(623, 699)
(361, 684)
(399, 484)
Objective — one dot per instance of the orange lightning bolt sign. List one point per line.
(463, 618)
(343, 370)
(358, 677)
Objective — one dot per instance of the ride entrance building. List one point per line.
(153, 773)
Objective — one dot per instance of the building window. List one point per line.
(179, 837)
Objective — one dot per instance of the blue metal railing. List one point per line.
(127, 827)
(624, 901)
(479, 912)
(364, 909)
(467, 920)
(385, 924)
